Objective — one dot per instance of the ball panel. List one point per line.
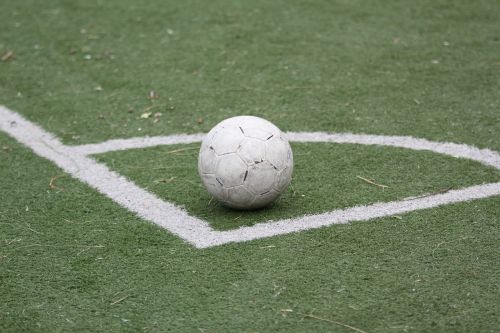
(250, 122)
(283, 179)
(207, 160)
(226, 140)
(231, 170)
(276, 152)
(264, 199)
(233, 121)
(258, 133)
(207, 139)
(289, 156)
(214, 186)
(252, 151)
(261, 177)
(239, 197)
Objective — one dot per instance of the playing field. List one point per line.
(392, 219)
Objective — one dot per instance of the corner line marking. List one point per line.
(76, 161)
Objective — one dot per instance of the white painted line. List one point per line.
(74, 160)
(109, 183)
(141, 142)
(484, 156)
(359, 213)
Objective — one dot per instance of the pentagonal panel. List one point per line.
(277, 152)
(230, 170)
(261, 177)
(207, 160)
(252, 151)
(239, 197)
(214, 187)
(264, 199)
(226, 140)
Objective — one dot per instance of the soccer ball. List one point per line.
(245, 162)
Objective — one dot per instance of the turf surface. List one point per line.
(326, 177)
(73, 260)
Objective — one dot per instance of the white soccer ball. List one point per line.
(245, 162)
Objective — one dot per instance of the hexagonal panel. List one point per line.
(252, 150)
(226, 140)
(258, 133)
(277, 151)
(261, 177)
(239, 197)
(230, 170)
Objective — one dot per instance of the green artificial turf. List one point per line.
(305, 65)
(326, 177)
(72, 260)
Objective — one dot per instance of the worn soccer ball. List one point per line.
(245, 162)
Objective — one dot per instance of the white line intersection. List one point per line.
(76, 161)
